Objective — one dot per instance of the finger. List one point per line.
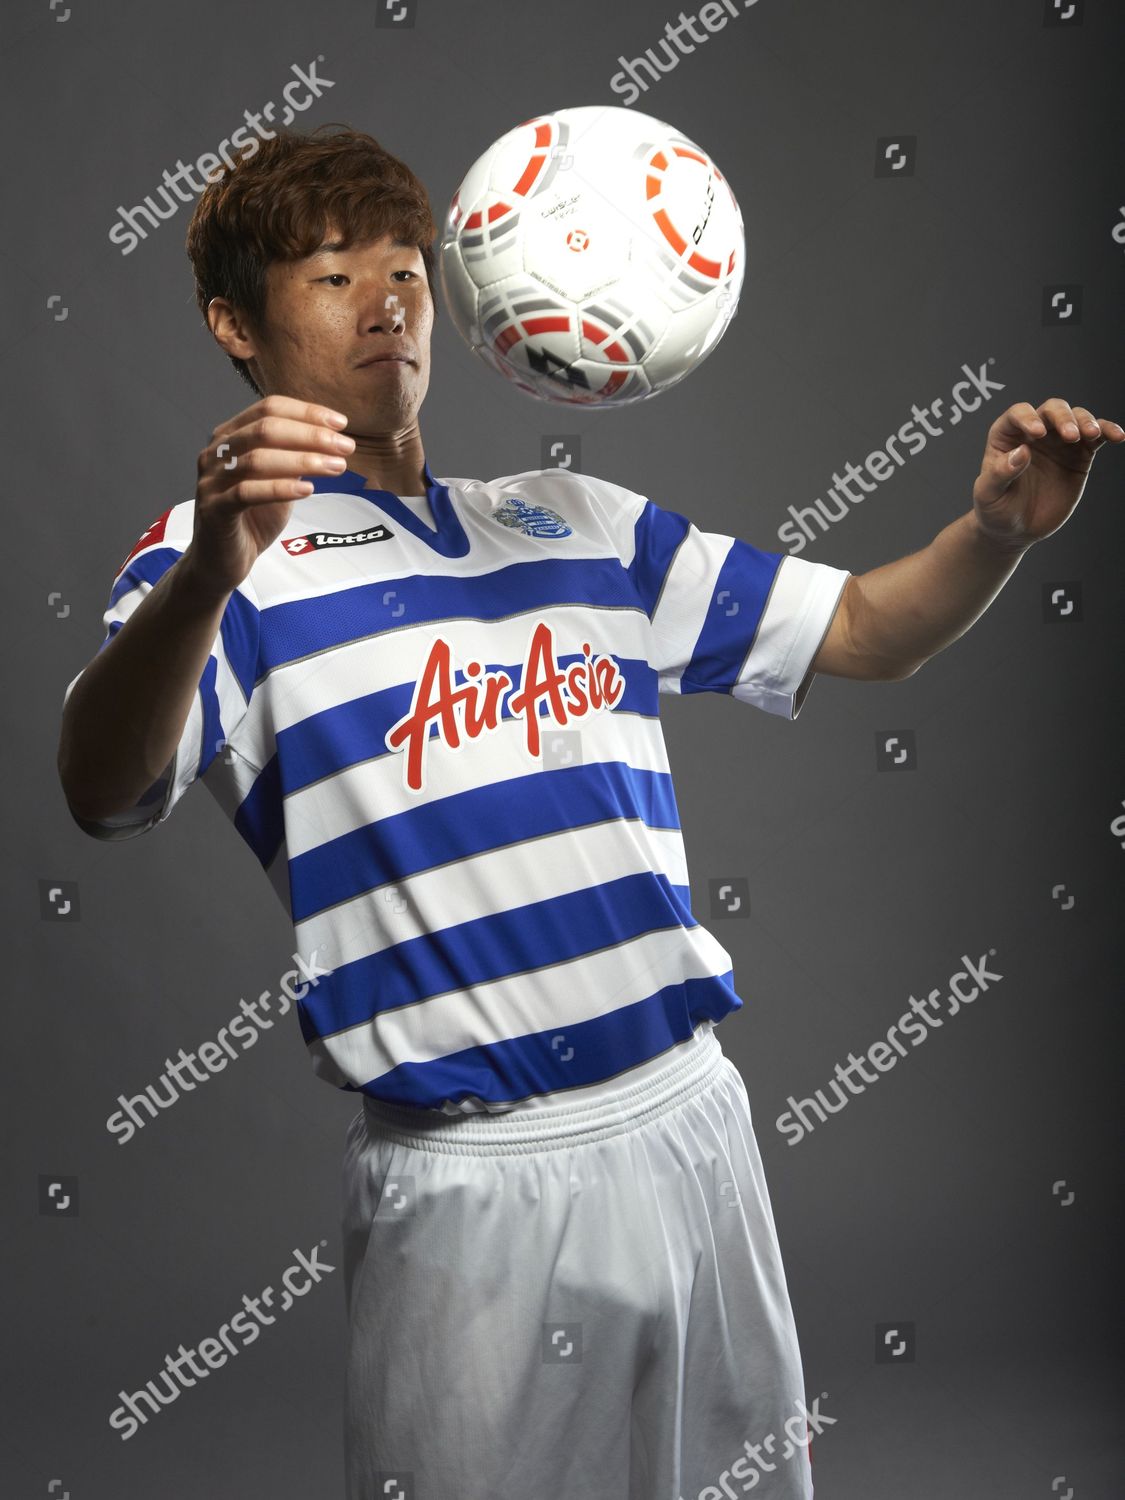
(1094, 429)
(275, 446)
(292, 433)
(253, 492)
(1059, 414)
(276, 463)
(1019, 421)
(287, 407)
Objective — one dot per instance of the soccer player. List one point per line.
(431, 708)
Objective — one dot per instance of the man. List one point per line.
(431, 709)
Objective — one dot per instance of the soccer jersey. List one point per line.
(420, 505)
(443, 745)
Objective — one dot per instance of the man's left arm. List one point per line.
(894, 618)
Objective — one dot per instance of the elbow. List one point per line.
(64, 768)
(82, 807)
(900, 671)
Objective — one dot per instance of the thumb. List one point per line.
(998, 471)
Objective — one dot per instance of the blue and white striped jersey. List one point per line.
(444, 747)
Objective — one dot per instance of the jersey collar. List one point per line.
(450, 539)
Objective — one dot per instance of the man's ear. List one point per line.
(231, 329)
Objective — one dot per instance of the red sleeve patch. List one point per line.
(155, 533)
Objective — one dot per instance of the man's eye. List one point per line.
(339, 275)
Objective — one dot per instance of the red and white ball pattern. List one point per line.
(593, 256)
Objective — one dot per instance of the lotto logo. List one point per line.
(297, 546)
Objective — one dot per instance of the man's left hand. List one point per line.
(1034, 469)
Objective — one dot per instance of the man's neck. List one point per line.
(394, 462)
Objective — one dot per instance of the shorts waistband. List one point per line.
(515, 1131)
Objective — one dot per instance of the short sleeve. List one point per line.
(225, 688)
(726, 616)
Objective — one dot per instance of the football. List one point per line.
(592, 256)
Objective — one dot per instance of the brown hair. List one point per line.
(275, 204)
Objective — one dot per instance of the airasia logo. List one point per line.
(584, 688)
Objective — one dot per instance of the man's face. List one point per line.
(336, 308)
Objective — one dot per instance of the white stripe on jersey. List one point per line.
(467, 922)
(560, 996)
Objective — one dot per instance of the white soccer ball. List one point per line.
(593, 256)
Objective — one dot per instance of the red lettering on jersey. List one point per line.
(474, 709)
(155, 533)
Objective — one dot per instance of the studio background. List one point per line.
(971, 1197)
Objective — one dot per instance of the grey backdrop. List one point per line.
(971, 1198)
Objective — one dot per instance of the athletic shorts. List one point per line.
(581, 1303)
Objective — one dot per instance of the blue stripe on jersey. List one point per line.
(351, 733)
(259, 817)
(239, 628)
(474, 821)
(747, 575)
(657, 536)
(726, 639)
(302, 627)
(211, 736)
(589, 1052)
(518, 940)
(114, 627)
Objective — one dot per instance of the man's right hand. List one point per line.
(127, 711)
(249, 476)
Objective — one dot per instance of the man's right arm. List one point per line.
(125, 715)
(127, 711)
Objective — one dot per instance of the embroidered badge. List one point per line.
(533, 520)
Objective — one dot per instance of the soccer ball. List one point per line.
(593, 256)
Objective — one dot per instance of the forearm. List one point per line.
(917, 605)
(125, 716)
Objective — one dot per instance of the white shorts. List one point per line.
(586, 1303)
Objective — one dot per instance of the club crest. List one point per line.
(533, 520)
